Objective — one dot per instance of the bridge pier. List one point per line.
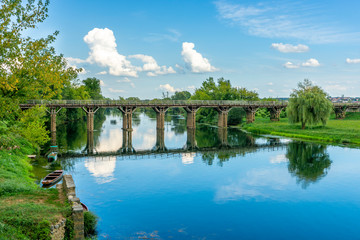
(160, 141)
(160, 116)
(250, 113)
(340, 112)
(223, 137)
(222, 116)
(191, 143)
(90, 146)
(53, 138)
(191, 116)
(53, 112)
(127, 142)
(90, 112)
(127, 117)
(275, 113)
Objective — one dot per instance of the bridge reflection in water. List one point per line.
(246, 145)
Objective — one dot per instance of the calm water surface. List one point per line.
(249, 188)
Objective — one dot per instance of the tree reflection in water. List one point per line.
(309, 162)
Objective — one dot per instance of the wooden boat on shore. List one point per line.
(84, 207)
(52, 178)
(52, 156)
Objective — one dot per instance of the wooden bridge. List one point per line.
(161, 106)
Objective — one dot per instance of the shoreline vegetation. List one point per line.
(344, 131)
(26, 210)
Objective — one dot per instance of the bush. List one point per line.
(90, 221)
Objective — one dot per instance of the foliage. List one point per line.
(183, 95)
(30, 68)
(308, 105)
(93, 88)
(221, 91)
(90, 222)
(308, 161)
(32, 126)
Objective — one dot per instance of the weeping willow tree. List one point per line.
(309, 105)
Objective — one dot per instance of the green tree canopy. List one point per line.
(222, 90)
(183, 95)
(308, 105)
(308, 162)
(29, 68)
(92, 86)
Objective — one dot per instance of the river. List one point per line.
(229, 185)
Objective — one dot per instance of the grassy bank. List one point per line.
(26, 210)
(336, 131)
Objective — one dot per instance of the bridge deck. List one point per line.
(151, 103)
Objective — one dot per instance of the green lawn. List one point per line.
(336, 131)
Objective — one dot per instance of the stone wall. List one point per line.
(68, 189)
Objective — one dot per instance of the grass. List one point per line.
(26, 210)
(336, 131)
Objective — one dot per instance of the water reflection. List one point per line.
(102, 170)
(309, 162)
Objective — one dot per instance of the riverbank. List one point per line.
(26, 210)
(335, 131)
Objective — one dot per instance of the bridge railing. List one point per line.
(157, 102)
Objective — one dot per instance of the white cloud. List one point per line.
(132, 85)
(172, 35)
(290, 65)
(124, 80)
(270, 83)
(312, 62)
(103, 52)
(288, 48)
(115, 90)
(281, 158)
(196, 62)
(356, 60)
(102, 83)
(336, 88)
(102, 73)
(167, 87)
(151, 66)
(279, 20)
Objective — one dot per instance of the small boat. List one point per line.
(84, 207)
(52, 156)
(52, 178)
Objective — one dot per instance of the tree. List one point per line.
(308, 105)
(222, 91)
(29, 68)
(92, 86)
(308, 162)
(183, 95)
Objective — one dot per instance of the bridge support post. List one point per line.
(191, 143)
(250, 113)
(340, 112)
(160, 141)
(275, 113)
(90, 112)
(222, 134)
(223, 116)
(191, 116)
(90, 142)
(127, 141)
(160, 116)
(53, 138)
(127, 117)
(53, 112)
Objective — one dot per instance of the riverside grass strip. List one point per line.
(336, 131)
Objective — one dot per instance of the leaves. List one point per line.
(309, 105)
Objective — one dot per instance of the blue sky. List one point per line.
(144, 48)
